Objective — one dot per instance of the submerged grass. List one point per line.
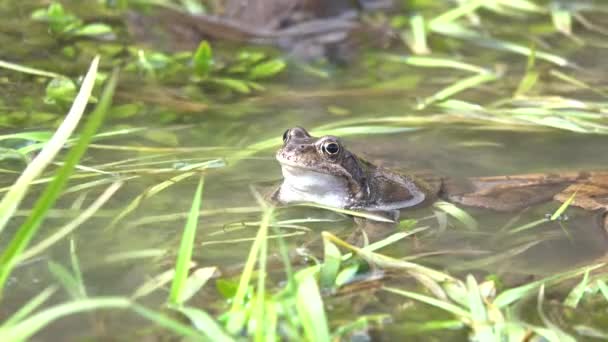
(261, 308)
(9, 257)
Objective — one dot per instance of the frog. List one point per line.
(324, 171)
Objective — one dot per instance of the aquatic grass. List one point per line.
(384, 261)
(310, 308)
(27, 230)
(236, 314)
(466, 220)
(40, 141)
(187, 172)
(355, 213)
(70, 227)
(417, 40)
(460, 86)
(562, 19)
(30, 306)
(577, 83)
(452, 15)
(577, 293)
(13, 197)
(29, 70)
(554, 330)
(530, 78)
(28, 326)
(487, 313)
(184, 254)
(434, 62)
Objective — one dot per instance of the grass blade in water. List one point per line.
(310, 306)
(51, 193)
(33, 324)
(13, 197)
(184, 255)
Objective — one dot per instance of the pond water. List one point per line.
(366, 93)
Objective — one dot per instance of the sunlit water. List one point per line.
(448, 150)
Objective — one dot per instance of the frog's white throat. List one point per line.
(304, 185)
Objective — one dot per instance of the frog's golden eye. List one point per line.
(331, 148)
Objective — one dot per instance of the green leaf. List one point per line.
(232, 84)
(203, 59)
(60, 90)
(94, 29)
(267, 69)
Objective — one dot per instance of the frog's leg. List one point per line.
(589, 194)
(505, 193)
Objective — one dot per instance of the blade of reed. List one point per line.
(29, 70)
(13, 197)
(28, 229)
(72, 225)
(26, 328)
(184, 256)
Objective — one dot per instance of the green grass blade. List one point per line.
(511, 295)
(67, 280)
(30, 306)
(76, 270)
(203, 322)
(23, 330)
(558, 334)
(168, 323)
(562, 208)
(562, 19)
(460, 86)
(259, 305)
(236, 314)
(462, 216)
(434, 62)
(331, 264)
(467, 7)
(418, 42)
(196, 281)
(577, 293)
(446, 306)
(603, 288)
(72, 225)
(13, 197)
(29, 70)
(51, 193)
(184, 255)
(310, 308)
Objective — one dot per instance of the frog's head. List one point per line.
(319, 170)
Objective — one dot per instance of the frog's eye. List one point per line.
(286, 135)
(331, 148)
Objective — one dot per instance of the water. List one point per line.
(360, 92)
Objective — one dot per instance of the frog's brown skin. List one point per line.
(323, 171)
